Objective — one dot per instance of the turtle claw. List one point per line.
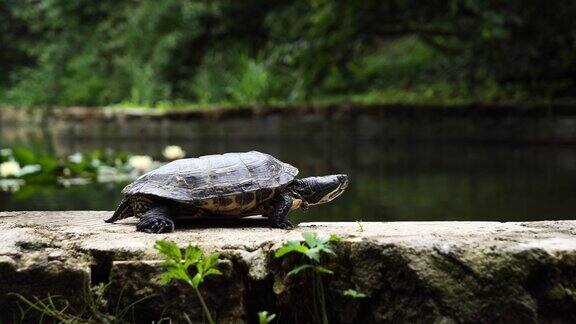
(286, 224)
(155, 225)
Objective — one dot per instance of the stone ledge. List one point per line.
(411, 271)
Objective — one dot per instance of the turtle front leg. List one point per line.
(279, 215)
(156, 220)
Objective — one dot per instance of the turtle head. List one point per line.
(319, 190)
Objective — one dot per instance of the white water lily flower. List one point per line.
(6, 152)
(140, 163)
(76, 158)
(9, 168)
(173, 152)
(96, 163)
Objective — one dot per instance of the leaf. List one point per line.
(311, 239)
(290, 248)
(299, 269)
(206, 268)
(295, 243)
(192, 255)
(167, 276)
(314, 254)
(211, 260)
(48, 164)
(323, 270)
(335, 238)
(170, 263)
(23, 156)
(264, 318)
(323, 240)
(176, 268)
(212, 272)
(169, 250)
(328, 250)
(174, 274)
(197, 280)
(354, 293)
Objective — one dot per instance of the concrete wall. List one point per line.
(442, 272)
(466, 123)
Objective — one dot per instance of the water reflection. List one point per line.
(388, 181)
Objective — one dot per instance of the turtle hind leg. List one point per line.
(124, 210)
(156, 220)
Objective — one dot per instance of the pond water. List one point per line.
(389, 180)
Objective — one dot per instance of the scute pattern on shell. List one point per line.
(214, 176)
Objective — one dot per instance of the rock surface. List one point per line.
(443, 272)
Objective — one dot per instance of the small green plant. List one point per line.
(264, 317)
(354, 293)
(178, 267)
(57, 309)
(313, 247)
(47, 308)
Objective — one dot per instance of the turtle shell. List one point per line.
(213, 176)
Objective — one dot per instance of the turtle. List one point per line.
(230, 185)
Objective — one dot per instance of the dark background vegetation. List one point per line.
(182, 52)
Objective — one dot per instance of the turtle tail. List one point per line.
(124, 210)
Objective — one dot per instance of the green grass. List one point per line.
(55, 309)
(440, 94)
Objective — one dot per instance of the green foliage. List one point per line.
(255, 52)
(232, 77)
(513, 41)
(264, 317)
(212, 79)
(253, 83)
(312, 248)
(354, 293)
(56, 309)
(177, 267)
(47, 308)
